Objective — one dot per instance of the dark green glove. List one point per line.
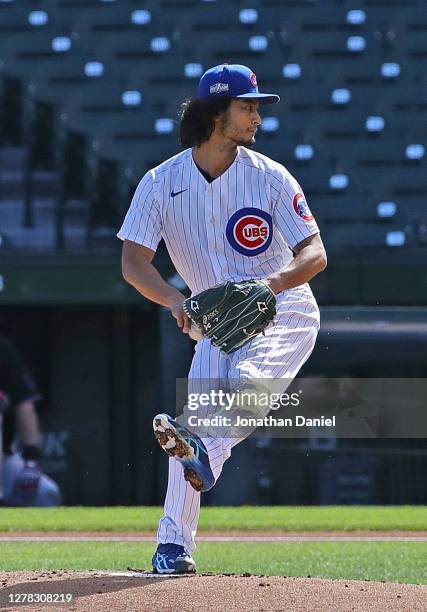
(231, 314)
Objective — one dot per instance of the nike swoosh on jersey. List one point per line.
(177, 192)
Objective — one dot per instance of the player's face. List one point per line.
(240, 123)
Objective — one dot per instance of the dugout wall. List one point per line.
(105, 370)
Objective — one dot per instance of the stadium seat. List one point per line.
(364, 71)
(186, 4)
(411, 97)
(21, 50)
(313, 178)
(125, 125)
(21, 20)
(337, 45)
(392, 4)
(340, 124)
(280, 148)
(165, 69)
(338, 209)
(71, 68)
(329, 19)
(308, 4)
(413, 205)
(209, 17)
(411, 180)
(127, 48)
(94, 77)
(365, 235)
(301, 96)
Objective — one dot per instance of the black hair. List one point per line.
(197, 119)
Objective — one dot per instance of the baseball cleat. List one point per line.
(187, 448)
(172, 559)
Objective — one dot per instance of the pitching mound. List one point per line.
(126, 591)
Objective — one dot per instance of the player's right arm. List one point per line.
(139, 272)
(141, 233)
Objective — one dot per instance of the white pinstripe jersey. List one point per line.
(241, 225)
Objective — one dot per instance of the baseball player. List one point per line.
(22, 482)
(226, 213)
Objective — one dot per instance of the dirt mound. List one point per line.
(128, 591)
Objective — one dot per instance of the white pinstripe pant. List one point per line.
(279, 354)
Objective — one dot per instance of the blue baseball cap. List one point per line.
(233, 81)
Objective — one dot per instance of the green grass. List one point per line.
(389, 561)
(225, 518)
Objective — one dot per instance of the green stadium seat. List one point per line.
(22, 50)
(391, 5)
(411, 97)
(18, 21)
(221, 47)
(221, 16)
(362, 235)
(76, 97)
(363, 72)
(327, 19)
(417, 44)
(410, 181)
(308, 4)
(129, 47)
(336, 209)
(336, 45)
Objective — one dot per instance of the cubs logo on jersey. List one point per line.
(301, 207)
(250, 231)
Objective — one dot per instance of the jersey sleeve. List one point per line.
(142, 223)
(292, 215)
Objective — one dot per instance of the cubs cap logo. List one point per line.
(250, 231)
(301, 207)
(253, 79)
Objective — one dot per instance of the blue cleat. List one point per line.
(172, 559)
(187, 448)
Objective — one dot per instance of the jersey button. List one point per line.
(212, 219)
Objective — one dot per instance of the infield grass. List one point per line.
(222, 518)
(389, 561)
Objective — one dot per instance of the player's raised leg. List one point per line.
(187, 449)
(276, 358)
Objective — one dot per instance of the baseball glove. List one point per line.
(231, 314)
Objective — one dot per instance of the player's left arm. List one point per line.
(310, 259)
(23, 395)
(27, 424)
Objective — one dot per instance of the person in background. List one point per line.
(22, 482)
